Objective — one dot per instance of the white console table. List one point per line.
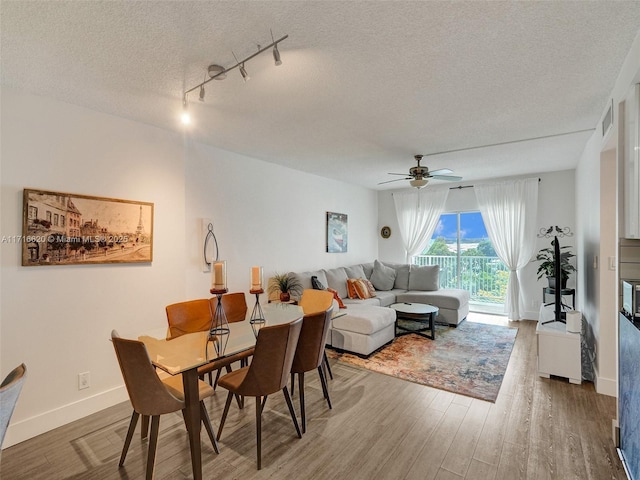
(559, 351)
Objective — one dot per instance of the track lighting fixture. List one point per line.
(276, 52)
(185, 117)
(217, 72)
(243, 72)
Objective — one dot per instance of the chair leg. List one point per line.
(326, 362)
(303, 415)
(215, 384)
(144, 427)
(204, 416)
(293, 383)
(259, 407)
(287, 397)
(153, 444)
(325, 390)
(224, 413)
(127, 440)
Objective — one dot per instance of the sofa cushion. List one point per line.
(368, 269)
(305, 281)
(451, 298)
(402, 274)
(388, 297)
(382, 277)
(337, 279)
(365, 319)
(354, 271)
(424, 278)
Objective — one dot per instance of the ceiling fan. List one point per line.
(420, 175)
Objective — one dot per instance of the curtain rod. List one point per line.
(460, 187)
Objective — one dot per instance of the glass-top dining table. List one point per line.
(184, 354)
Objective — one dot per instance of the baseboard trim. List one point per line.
(605, 386)
(39, 424)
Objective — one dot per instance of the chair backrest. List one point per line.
(234, 304)
(272, 359)
(314, 301)
(312, 341)
(188, 317)
(147, 393)
(9, 393)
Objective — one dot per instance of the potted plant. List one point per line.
(285, 285)
(548, 264)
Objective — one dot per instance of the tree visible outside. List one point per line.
(467, 258)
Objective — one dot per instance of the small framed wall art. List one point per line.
(68, 229)
(337, 232)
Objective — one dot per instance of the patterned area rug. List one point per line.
(470, 359)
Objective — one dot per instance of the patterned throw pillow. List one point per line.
(361, 289)
(372, 290)
(351, 288)
(337, 297)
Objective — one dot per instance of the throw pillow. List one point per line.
(362, 289)
(372, 290)
(337, 297)
(351, 288)
(424, 278)
(382, 277)
(317, 284)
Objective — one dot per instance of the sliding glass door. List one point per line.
(461, 246)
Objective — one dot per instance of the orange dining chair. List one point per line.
(314, 301)
(267, 374)
(151, 396)
(310, 354)
(9, 392)
(196, 316)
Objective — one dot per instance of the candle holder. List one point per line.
(219, 330)
(257, 315)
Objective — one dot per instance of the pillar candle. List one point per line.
(219, 276)
(256, 278)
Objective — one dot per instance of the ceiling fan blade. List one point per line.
(396, 180)
(404, 174)
(449, 178)
(442, 171)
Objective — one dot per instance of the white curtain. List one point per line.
(418, 213)
(509, 211)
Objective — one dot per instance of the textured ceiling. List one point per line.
(363, 85)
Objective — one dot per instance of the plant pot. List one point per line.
(552, 283)
(285, 297)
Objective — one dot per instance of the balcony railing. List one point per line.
(484, 277)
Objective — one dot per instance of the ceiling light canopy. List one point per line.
(217, 72)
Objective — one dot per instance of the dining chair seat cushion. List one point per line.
(233, 381)
(174, 385)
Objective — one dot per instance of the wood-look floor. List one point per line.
(380, 428)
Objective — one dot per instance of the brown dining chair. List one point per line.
(267, 374)
(151, 396)
(314, 301)
(310, 354)
(196, 316)
(9, 392)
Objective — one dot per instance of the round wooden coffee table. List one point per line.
(419, 313)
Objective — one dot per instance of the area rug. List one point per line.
(470, 360)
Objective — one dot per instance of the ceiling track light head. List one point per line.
(276, 55)
(202, 93)
(243, 72)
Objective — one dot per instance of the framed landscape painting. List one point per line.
(68, 229)
(337, 233)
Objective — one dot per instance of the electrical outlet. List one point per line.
(84, 380)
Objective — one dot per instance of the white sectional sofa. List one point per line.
(369, 324)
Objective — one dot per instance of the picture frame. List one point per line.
(72, 229)
(337, 233)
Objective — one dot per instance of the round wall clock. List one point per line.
(385, 232)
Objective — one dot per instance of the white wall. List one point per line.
(58, 319)
(555, 207)
(271, 216)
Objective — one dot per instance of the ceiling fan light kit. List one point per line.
(419, 176)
